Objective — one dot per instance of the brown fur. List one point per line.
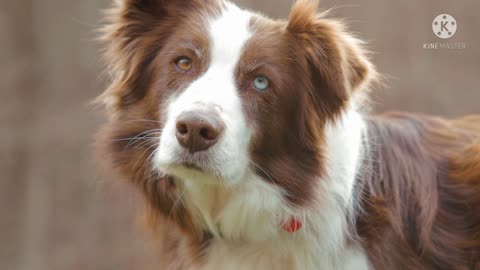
(420, 193)
(420, 199)
(319, 57)
(139, 41)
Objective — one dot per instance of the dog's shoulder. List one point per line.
(466, 163)
(435, 136)
(421, 191)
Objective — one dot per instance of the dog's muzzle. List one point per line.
(197, 131)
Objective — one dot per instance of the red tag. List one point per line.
(292, 225)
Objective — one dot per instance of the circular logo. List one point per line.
(444, 26)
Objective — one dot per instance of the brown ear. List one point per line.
(127, 48)
(338, 65)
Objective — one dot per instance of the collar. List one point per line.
(292, 225)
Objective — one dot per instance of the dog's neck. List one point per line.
(255, 210)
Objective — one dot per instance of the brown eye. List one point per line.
(184, 63)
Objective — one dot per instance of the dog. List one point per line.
(249, 141)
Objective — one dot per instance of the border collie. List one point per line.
(246, 137)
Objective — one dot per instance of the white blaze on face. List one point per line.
(215, 90)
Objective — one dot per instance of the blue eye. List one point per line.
(261, 83)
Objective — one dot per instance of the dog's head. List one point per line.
(206, 92)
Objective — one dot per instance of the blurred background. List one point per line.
(57, 213)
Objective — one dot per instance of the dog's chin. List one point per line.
(201, 168)
(191, 172)
(202, 175)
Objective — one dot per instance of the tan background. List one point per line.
(56, 213)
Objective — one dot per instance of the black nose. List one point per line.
(198, 131)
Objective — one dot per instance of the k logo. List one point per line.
(444, 26)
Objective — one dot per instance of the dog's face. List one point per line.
(206, 92)
(235, 101)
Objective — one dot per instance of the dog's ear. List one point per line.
(131, 18)
(337, 63)
(133, 33)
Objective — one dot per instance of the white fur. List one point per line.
(215, 90)
(246, 219)
(242, 211)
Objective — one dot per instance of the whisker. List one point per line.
(132, 138)
(143, 153)
(147, 142)
(143, 120)
(175, 204)
(264, 171)
(142, 136)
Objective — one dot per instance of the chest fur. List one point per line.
(270, 256)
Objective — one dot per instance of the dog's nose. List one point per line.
(198, 131)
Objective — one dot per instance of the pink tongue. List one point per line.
(292, 225)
